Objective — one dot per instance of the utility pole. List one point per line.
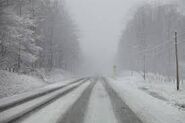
(114, 71)
(19, 49)
(144, 60)
(32, 8)
(177, 62)
(7, 2)
(20, 7)
(19, 57)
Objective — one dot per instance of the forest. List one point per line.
(148, 42)
(37, 34)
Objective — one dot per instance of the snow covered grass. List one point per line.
(13, 83)
(165, 87)
(154, 101)
(159, 86)
(56, 75)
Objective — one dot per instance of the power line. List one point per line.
(154, 48)
(182, 34)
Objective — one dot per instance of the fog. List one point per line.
(100, 23)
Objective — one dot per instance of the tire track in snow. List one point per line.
(26, 113)
(99, 108)
(122, 112)
(8, 105)
(76, 113)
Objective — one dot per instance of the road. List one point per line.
(87, 100)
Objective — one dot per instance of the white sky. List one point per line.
(100, 23)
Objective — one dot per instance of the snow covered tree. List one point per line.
(18, 38)
(150, 33)
(37, 34)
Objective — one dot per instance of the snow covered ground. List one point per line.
(12, 83)
(54, 76)
(153, 101)
(165, 90)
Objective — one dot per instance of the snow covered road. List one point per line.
(89, 101)
(100, 109)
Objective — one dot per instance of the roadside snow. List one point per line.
(165, 91)
(56, 75)
(160, 87)
(149, 107)
(13, 83)
(18, 97)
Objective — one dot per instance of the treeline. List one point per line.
(148, 41)
(37, 34)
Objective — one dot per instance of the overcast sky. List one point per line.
(100, 23)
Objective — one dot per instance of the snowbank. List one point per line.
(151, 107)
(159, 86)
(13, 83)
(165, 91)
(56, 75)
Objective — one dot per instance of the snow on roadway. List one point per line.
(20, 109)
(55, 110)
(100, 109)
(148, 108)
(14, 98)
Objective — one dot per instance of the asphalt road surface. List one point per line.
(87, 100)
